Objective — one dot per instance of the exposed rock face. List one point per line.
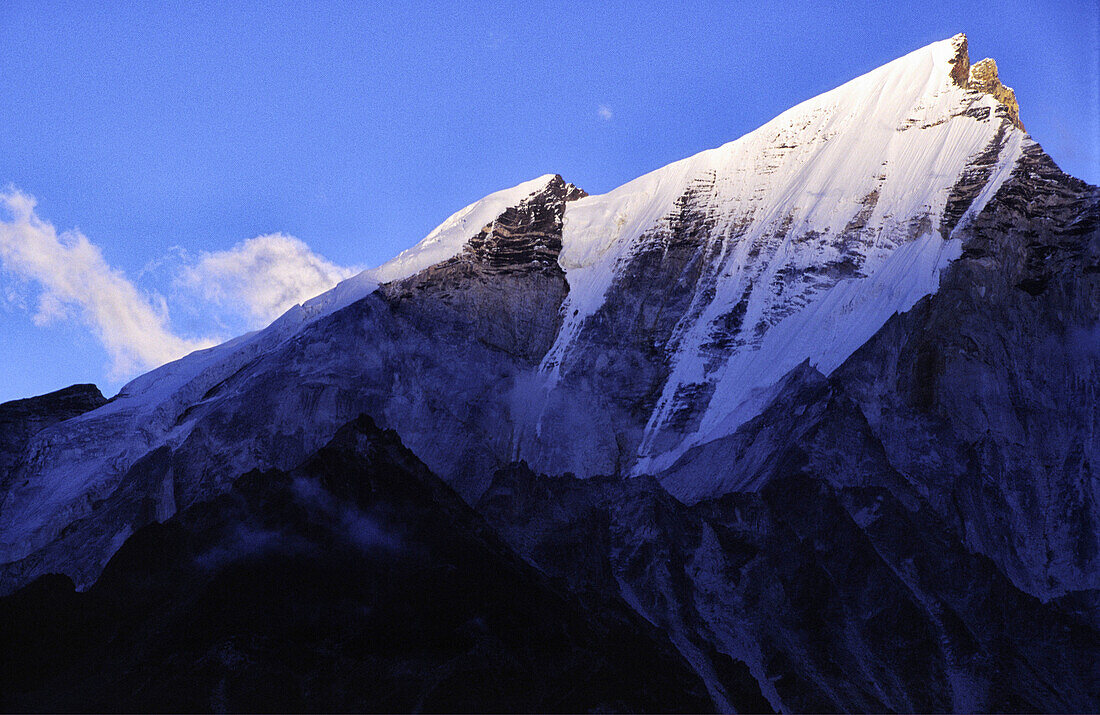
(524, 235)
(960, 61)
(987, 396)
(984, 78)
(22, 419)
(505, 287)
(359, 582)
(831, 578)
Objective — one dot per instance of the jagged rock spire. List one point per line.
(982, 77)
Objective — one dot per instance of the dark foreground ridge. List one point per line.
(357, 582)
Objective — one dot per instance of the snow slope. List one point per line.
(825, 221)
(444, 241)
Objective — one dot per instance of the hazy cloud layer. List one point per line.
(76, 282)
(266, 275)
(68, 277)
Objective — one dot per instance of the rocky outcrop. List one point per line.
(505, 287)
(960, 61)
(526, 234)
(983, 78)
(22, 419)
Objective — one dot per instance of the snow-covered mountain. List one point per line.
(887, 290)
(796, 241)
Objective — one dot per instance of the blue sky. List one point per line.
(167, 136)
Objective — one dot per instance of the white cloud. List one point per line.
(221, 293)
(604, 112)
(12, 291)
(77, 282)
(265, 275)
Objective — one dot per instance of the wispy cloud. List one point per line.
(604, 112)
(266, 275)
(77, 282)
(65, 277)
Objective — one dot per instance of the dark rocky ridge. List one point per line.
(529, 233)
(987, 394)
(358, 582)
(824, 570)
(505, 287)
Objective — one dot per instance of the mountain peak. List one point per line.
(982, 77)
(960, 61)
